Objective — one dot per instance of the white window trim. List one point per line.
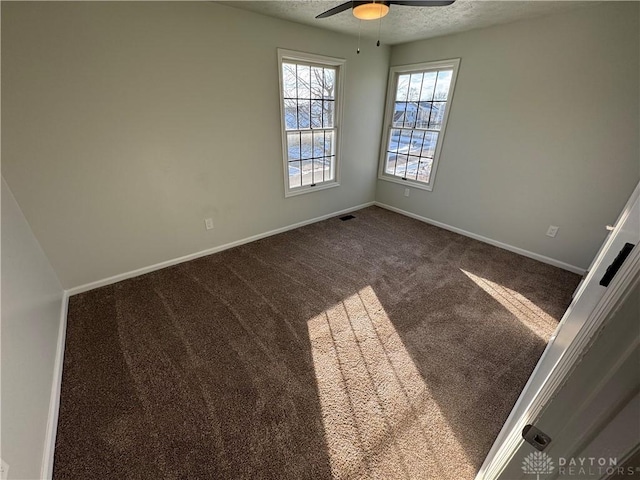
(394, 73)
(315, 60)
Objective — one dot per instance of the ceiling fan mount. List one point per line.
(373, 10)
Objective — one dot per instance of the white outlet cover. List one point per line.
(552, 231)
(4, 470)
(208, 223)
(407, 192)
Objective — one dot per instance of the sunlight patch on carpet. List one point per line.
(529, 314)
(379, 417)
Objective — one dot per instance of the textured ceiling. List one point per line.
(406, 24)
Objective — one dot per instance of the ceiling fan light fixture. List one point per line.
(370, 11)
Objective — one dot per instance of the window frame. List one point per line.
(394, 74)
(314, 60)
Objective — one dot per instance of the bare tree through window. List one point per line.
(309, 110)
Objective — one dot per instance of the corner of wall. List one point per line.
(54, 402)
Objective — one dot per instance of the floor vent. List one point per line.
(347, 217)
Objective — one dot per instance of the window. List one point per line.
(310, 101)
(418, 103)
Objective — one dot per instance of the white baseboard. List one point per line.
(490, 241)
(54, 402)
(141, 271)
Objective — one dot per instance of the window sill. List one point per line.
(303, 190)
(407, 183)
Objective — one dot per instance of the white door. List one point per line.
(577, 327)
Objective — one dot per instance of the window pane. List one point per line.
(404, 141)
(394, 140)
(416, 143)
(429, 145)
(295, 178)
(412, 168)
(330, 144)
(293, 145)
(442, 85)
(428, 84)
(317, 86)
(304, 114)
(424, 170)
(398, 113)
(401, 165)
(290, 114)
(289, 80)
(329, 168)
(318, 170)
(318, 144)
(329, 83)
(305, 145)
(390, 164)
(304, 81)
(414, 87)
(411, 114)
(424, 110)
(328, 114)
(437, 115)
(323, 144)
(316, 113)
(319, 167)
(307, 172)
(314, 165)
(402, 91)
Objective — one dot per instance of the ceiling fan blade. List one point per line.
(412, 3)
(422, 3)
(334, 10)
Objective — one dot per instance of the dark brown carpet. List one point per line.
(376, 348)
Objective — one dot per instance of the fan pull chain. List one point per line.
(379, 25)
(359, 28)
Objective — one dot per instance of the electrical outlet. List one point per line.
(407, 192)
(208, 223)
(4, 470)
(552, 231)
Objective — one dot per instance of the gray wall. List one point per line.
(543, 130)
(126, 124)
(31, 305)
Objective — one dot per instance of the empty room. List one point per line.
(320, 240)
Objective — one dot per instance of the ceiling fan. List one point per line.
(373, 10)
